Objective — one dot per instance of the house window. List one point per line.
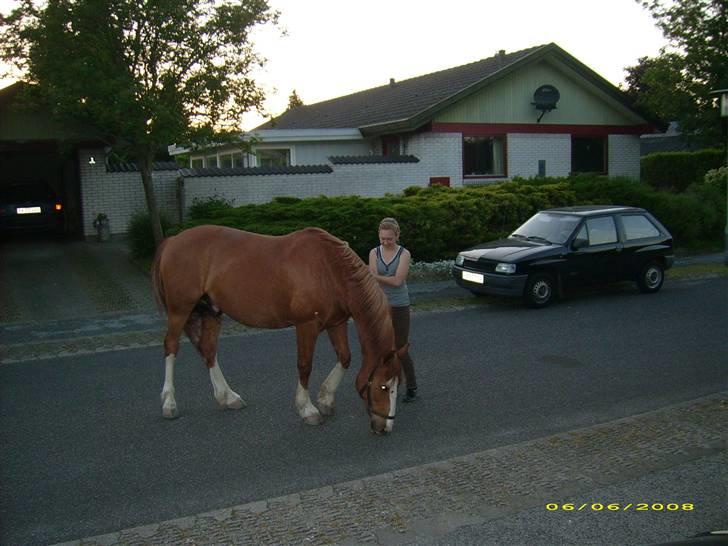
(273, 157)
(238, 160)
(226, 161)
(391, 145)
(197, 163)
(211, 161)
(588, 155)
(483, 156)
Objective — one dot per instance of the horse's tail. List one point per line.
(157, 285)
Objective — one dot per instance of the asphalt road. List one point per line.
(86, 451)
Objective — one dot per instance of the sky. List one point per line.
(335, 47)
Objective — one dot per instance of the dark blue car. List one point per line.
(30, 207)
(558, 247)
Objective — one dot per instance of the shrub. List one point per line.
(438, 222)
(675, 171)
(140, 235)
(205, 208)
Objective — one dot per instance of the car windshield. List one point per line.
(545, 227)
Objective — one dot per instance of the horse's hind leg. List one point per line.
(203, 329)
(171, 348)
(306, 335)
(340, 340)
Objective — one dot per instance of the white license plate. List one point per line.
(28, 210)
(473, 277)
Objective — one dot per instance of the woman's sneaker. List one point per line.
(410, 396)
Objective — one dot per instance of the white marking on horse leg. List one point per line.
(328, 388)
(225, 396)
(306, 409)
(392, 403)
(169, 404)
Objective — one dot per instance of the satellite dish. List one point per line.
(545, 99)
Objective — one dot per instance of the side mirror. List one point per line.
(579, 243)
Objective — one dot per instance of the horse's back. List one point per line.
(257, 279)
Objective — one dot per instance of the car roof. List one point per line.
(590, 210)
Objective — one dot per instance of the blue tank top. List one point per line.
(398, 296)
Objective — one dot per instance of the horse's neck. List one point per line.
(375, 331)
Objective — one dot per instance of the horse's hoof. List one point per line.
(313, 420)
(236, 403)
(326, 409)
(170, 413)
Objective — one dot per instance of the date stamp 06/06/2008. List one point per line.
(621, 507)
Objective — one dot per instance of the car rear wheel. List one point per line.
(651, 278)
(539, 290)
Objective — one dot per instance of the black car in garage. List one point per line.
(561, 246)
(30, 207)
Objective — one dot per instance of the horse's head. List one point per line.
(379, 391)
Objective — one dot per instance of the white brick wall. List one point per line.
(439, 154)
(525, 151)
(120, 195)
(624, 155)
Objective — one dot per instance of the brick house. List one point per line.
(476, 123)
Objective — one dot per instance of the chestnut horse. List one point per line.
(308, 279)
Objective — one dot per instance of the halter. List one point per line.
(368, 388)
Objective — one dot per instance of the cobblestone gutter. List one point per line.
(435, 499)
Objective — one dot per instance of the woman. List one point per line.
(389, 263)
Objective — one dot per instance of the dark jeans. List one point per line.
(401, 323)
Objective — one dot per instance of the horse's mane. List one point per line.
(364, 298)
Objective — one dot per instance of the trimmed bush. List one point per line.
(140, 236)
(438, 222)
(675, 171)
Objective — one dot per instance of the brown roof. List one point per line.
(409, 104)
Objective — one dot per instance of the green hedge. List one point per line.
(675, 171)
(438, 222)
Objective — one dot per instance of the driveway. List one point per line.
(45, 280)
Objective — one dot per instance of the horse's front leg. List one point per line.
(340, 340)
(306, 335)
(207, 345)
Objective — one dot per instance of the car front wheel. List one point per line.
(539, 290)
(651, 278)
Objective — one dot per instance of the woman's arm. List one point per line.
(401, 274)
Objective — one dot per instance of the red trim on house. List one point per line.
(494, 129)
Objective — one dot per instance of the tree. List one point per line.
(146, 74)
(657, 87)
(294, 100)
(698, 30)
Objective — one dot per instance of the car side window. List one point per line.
(601, 230)
(638, 226)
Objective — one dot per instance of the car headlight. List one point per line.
(460, 259)
(505, 268)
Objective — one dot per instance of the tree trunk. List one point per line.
(146, 162)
